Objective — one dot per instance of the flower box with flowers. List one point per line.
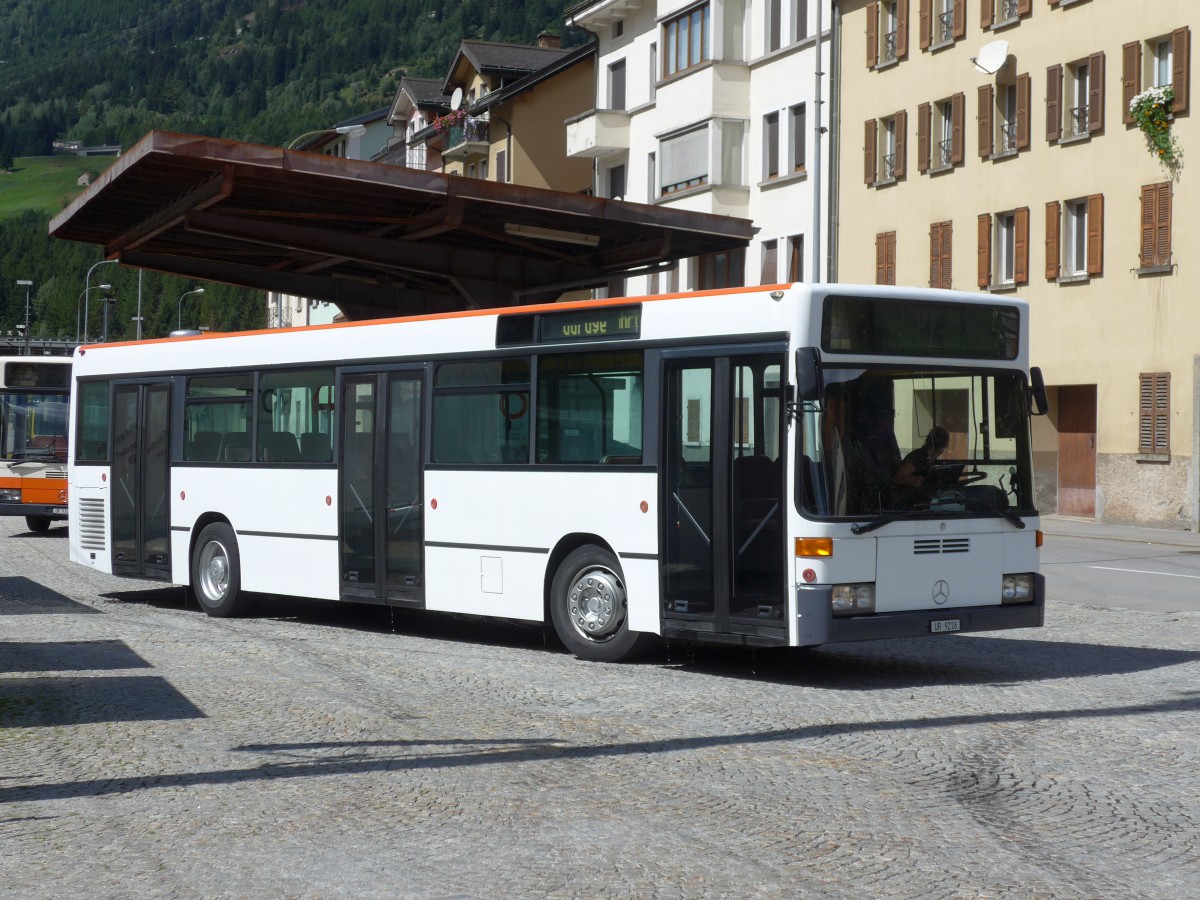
(1151, 110)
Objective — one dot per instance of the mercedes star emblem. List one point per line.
(941, 592)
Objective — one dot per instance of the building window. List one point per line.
(1075, 237)
(1160, 61)
(887, 32)
(653, 70)
(795, 259)
(885, 258)
(616, 85)
(1075, 98)
(942, 22)
(1003, 249)
(501, 166)
(774, 25)
(770, 146)
(799, 19)
(616, 183)
(940, 246)
(686, 40)
(997, 13)
(797, 118)
(770, 263)
(885, 149)
(940, 133)
(721, 270)
(1156, 226)
(684, 161)
(1154, 419)
(1004, 117)
(618, 28)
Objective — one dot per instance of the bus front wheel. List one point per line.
(589, 608)
(37, 523)
(217, 572)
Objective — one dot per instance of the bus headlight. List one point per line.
(1017, 588)
(10, 495)
(853, 599)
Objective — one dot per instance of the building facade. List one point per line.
(712, 107)
(991, 146)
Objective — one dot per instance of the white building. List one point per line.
(713, 107)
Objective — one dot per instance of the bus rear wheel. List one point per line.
(217, 572)
(37, 523)
(589, 608)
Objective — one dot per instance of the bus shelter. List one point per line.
(376, 240)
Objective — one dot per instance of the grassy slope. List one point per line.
(45, 183)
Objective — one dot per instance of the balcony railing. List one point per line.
(1079, 121)
(945, 27)
(1008, 137)
(889, 166)
(888, 53)
(945, 152)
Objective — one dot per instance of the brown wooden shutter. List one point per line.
(986, 13)
(923, 118)
(1054, 102)
(984, 250)
(935, 260)
(985, 121)
(1023, 101)
(901, 162)
(885, 258)
(901, 29)
(1095, 93)
(1181, 48)
(960, 20)
(1053, 228)
(958, 111)
(1149, 205)
(1162, 225)
(1131, 77)
(946, 248)
(1154, 419)
(925, 29)
(872, 35)
(1095, 234)
(1021, 245)
(1024, 7)
(869, 143)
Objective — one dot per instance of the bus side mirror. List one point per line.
(809, 386)
(1039, 404)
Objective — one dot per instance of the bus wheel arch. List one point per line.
(215, 568)
(587, 603)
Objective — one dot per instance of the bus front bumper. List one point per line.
(819, 626)
(33, 509)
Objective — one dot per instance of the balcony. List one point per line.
(598, 134)
(467, 142)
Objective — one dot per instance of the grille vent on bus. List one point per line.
(91, 524)
(925, 546)
(54, 473)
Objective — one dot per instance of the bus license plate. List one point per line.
(59, 510)
(939, 626)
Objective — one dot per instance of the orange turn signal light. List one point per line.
(1040, 537)
(814, 546)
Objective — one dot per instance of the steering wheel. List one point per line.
(970, 477)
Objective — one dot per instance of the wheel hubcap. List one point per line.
(597, 604)
(214, 572)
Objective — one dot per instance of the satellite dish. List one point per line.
(456, 97)
(991, 57)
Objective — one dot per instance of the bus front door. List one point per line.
(382, 523)
(724, 560)
(140, 508)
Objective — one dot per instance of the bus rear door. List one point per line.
(141, 476)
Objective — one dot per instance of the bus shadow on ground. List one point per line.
(68, 656)
(24, 596)
(51, 701)
(52, 534)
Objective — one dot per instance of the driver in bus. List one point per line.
(914, 470)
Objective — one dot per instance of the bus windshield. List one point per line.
(916, 441)
(34, 426)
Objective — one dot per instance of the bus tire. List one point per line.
(37, 523)
(217, 572)
(589, 609)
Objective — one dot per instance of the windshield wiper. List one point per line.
(856, 528)
(1010, 516)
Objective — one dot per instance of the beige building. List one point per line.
(988, 145)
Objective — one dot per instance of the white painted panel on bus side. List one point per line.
(453, 583)
(296, 568)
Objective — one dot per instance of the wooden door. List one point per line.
(1077, 450)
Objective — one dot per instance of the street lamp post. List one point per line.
(79, 299)
(86, 282)
(28, 284)
(179, 315)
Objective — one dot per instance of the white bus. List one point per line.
(33, 438)
(699, 467)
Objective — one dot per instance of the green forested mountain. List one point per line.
(108, 71)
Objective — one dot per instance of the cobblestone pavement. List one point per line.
(320, 750)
